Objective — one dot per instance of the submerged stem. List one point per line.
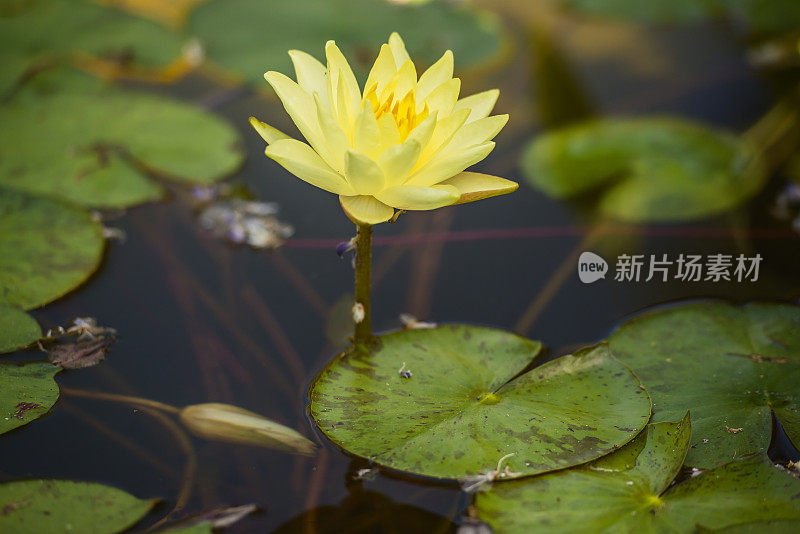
(125, 399)
(363, 327)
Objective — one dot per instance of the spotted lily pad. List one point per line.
(596, 498)
(39, 33)
(67, 506)
(646, 169)
(47, 248)
(98, 149)
(758, 15)
(447, 402)
(26, 393)
(17, 328)
(731, 366)
(233, 32)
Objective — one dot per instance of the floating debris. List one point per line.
(403, 372)
(368, 474)
(787, 205)
(733, 430)
(482, 482)
(411, 323)
(80, 354)
(244, 222)
(83, 344)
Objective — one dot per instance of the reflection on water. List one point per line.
(202, 321)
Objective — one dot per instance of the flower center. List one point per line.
(403, 111)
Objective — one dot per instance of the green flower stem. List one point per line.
(363, 328)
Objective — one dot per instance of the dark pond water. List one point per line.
(201, 321)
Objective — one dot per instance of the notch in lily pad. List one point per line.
(733, 367)
(471, 401)
(631, 491)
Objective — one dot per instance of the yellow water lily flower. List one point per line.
(403, 143)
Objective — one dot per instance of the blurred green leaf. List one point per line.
(250, 37)
(97, 148)
(649, 169)
(50, 506)
(758, 15)
(461, 407)
(17, 328)
(732, 367)
(37, 33)
(26, 393)
(47, 248)
(640, 499)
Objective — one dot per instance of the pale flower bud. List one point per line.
(223, 422)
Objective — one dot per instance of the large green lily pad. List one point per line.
(646, 169)
(96, 149)
(47, 248)
(17, 329)
(39, 33)
(26, 393)
(50, 506)
(596, 498)
(760, 16)
(464, 407)
(731, 366)
(249, 37)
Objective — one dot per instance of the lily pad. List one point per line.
(26, 393)
(646, 169)
(758, 15)
(234, 33)
(731, 366)
(459, 406)
(98, 149)
(597, 499)
(43, 32)
(47, 248)
(17, 328)
(67, 506)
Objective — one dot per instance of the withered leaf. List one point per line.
(80, 354)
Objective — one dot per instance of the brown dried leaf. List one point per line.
(80, 354)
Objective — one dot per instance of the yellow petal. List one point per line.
(444, 97)
(476, 186)
(404, 80)
(300, 159)
(339, 69)
(382, 70)
(440, 169)
(390, 135)
(437, 74)
(407, 197)
(310, 73)
(398, 49)
(364, 209)
(481, 104)
(397, 161)
(422, 134)
(363, 174)
(341, 108)
(335, 138)
(442, 134)
(366, 133)
(267, 132)
(474, 133)
(300, 107)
